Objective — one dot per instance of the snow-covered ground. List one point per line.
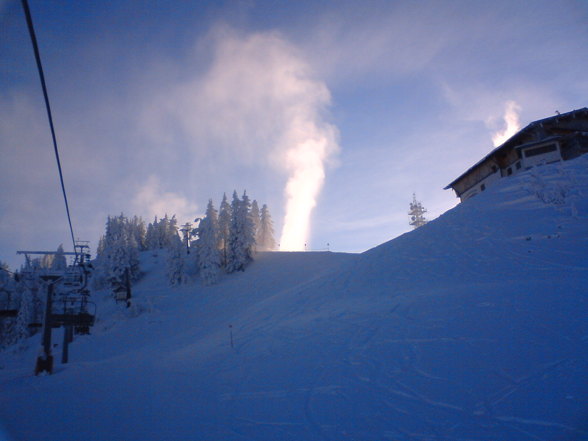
(473, 327)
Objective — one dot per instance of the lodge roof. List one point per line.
(515, 139)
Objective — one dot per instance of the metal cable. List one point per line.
(8, 271)
(27, 12)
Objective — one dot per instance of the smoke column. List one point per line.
(513, 125)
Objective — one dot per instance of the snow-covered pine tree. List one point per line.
(151, 240)
(266, 241)
(29, 294)
(120, 255)
(7, 301)
(209, 257)
(232, 240)
(177, 273)
(255, 217)
(186, 235)
(249, 228)
(171, 232)
(124, 257)
(46, 262)
(416, 213)
(138, 231)
(25, 313)
(162, 228)
(6, 278)
(224, 227)
(161, 234)
(100, 247)
(59, 262)
(241, 241)
(102, 263)
(29, 280)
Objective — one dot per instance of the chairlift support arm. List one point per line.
(44, 253)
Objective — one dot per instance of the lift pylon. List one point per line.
(67, 303)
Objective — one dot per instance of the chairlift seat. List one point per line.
(77, 319)
(72, 276)
(72, 282)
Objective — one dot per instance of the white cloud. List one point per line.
(390, 40)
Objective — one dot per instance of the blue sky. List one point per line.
(351, 105)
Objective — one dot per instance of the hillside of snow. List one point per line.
(473, 327)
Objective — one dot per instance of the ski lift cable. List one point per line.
(17, 275)
(8, 271)
(29, 19)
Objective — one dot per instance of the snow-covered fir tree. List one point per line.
(100, 247)
(138, 231)
(151, 237)
(170, 232)
(119, 256)
(46, 262)
(59, 262)
(241, 241)
(187, 235)
(25, 315)
(209, 255)
(255, 218)
(124, 261)
(177, 271)
(161, 234)
(224, 227)
(416, 213)
(27, 291)
(265, 235)
(29, 285)
(7, 301)
(6, 279)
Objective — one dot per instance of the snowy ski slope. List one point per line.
(473, 327)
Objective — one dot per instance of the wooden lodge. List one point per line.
(557, 138)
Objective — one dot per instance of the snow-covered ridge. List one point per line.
(472, 327)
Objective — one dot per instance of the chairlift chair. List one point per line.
(8, 312)
(73, 277)
(76, 312)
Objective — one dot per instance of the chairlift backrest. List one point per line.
(73, 311)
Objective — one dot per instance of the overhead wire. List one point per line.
(8, 271)
(29, 19)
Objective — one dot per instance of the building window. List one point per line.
(540, 150)
(509, 171)
(483, 187)
(518, 166)
(494, 169)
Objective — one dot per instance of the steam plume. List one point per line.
(151, 201)
(257, 105)
(310, 146)
(513, 125)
